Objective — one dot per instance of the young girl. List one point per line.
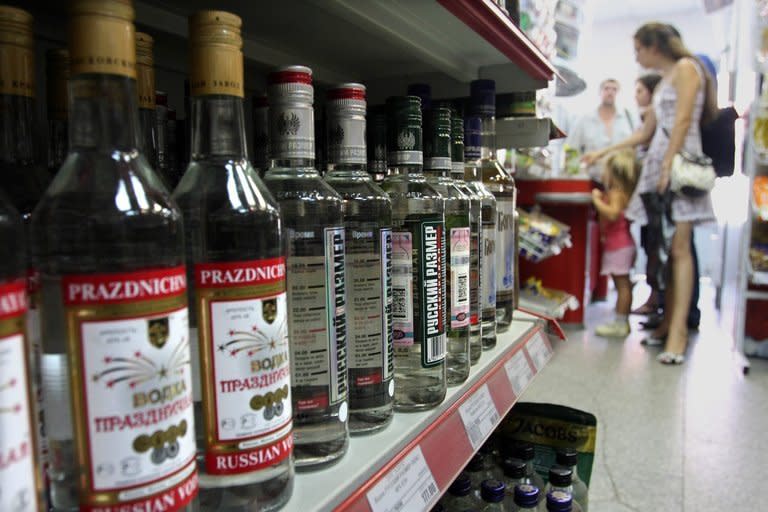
(619, 177)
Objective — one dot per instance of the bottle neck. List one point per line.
(103, 113)
(218, 128)
(17, 139)
(488, 138)
(57, 143)
(567, 488)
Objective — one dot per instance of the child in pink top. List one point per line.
(619, 177)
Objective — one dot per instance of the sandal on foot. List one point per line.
(645, 309)
(650, 341)
(670, 358)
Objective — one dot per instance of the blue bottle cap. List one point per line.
(492, 491)
(472, 139)
(482, 97)
(423, 91)
(559, 501)
(462, 486)
(526, 495)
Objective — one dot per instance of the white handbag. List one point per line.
(692, 176)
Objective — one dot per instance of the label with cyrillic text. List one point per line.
(519, 372)
(408, 486)
(459, 259)
(537, 349)
(131, 381)
(479, 415)
(402, 289)
(245, 364)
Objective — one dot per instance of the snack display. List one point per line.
(541, 236)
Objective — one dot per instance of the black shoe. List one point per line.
(652, 322)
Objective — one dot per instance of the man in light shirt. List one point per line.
(603, 127)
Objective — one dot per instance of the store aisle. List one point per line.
(669, 438)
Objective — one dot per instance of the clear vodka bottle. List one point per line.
(109, 245)
(569, 457)
(236, 282)
(526, 497)
(145, 84)
(261, 133)
(57, 73)
(501, 184)
(460, 495)
(492, 492)
(560, 501)
(561, 479)
(475, 205)
(474, 179)
(368, 223)
(313, 220)
(418, 263)
(437, 169)
(527, 453)
(376, 133)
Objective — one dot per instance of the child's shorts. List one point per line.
(618, 262)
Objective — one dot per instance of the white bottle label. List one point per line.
(488, 267)
(460, 241)
(18, 486)
(506, 250)
(131, 387)
(245, 364)
(402, 289)
(317, 324)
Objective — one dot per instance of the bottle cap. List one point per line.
(559, 501)
(57, 73)
(472, 138)
(377, 139)
(345, 124)
(526, 495)
(567, 457)
(524, 451)
(476, 463)
(161, 98)
(102, 38)
(17, 52)
(492, 491)
(462, 486)
(560, 476)
(457, 159)
(437, 139)
(145, 70)
(291, 116)
(216, 57)
(513, 467)
(171, 114)
(483, 97)
(423, 91)
(404, 144)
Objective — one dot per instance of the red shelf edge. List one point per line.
(358, 501)
(551, 322)
(495, 27)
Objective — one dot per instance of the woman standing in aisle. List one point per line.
(684, 98)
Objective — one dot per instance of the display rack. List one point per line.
(420, 454)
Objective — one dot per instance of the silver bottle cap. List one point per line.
(345, 110)
(291, 116)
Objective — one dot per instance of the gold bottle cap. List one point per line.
(57, 73)
(17, 55)
(145, 70)
(216, 58)
(101, 38)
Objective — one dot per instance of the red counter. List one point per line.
(575, 270)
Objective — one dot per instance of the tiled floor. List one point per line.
(686, 438)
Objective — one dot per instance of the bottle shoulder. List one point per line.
(299, 184)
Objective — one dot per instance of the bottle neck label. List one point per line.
(216, 69)
(18, 449)
(18, 65)
(346, 140)
(506, 249)
(292, 132)
(145, 84)
(101, 45)
(406, 147)
(244, 364)
(131, 388)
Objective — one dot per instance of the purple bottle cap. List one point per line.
(559, 501)
(526, 495)
(492, 491)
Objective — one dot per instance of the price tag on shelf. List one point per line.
(538, 350)
(519, 372)
(408, 486)
(479, 415)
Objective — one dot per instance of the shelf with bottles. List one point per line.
(420, 454)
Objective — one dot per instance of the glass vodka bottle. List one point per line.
(368, 240)
(460, 495)
(376, 132)
(473, 177)
(108, 242)
(437, 167)
(236, 283)
(57, 73)
(261, 134)
(475, 205)
(22, 178)
(569, 457)
(492, 492)
(19, 472)
(527, 453)
(559, 501)
(145, 84)
(526, 497)
(561, 479)
(418, 263)
(313, 219)
(501, 184)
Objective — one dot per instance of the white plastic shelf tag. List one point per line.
(408, 486)
(519, 372)
(479, 415)
(538, 350)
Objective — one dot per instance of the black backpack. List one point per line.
(718, 140)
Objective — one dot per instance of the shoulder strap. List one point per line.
(629, 120)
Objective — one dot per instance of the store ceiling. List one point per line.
(604, 10)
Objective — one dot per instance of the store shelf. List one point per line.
(522, 132)
(757, 277)
(550, 308)
(386, 464)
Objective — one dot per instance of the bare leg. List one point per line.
(624, 292)
(663, 329)
(682, 277)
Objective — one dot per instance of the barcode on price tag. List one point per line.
(538, 350)
(479, 415)
(408, 486)
(519, 372)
